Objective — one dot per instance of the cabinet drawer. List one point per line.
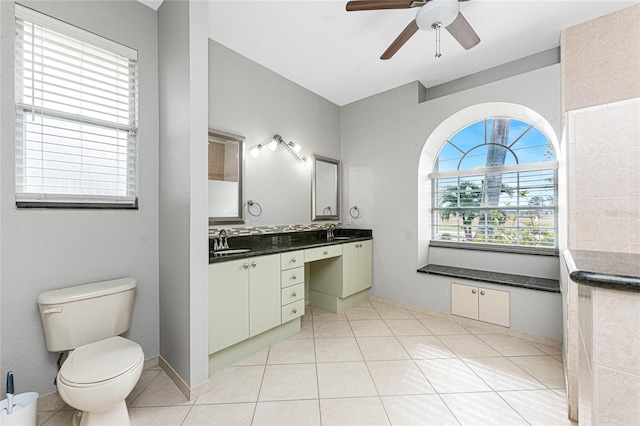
(292, 294)
(292, 259)
(292, 310)
(325, 252)
(292, 276)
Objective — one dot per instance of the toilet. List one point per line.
(102, 367)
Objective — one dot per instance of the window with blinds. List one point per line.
(495, 183)
(76, 116)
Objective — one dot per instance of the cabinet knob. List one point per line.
(473, 291)
(294, 277)
(481, 292)
(254, 264)
(295, 311)
(293, 260)
(325, 253)
(294, 294)
(245, 266)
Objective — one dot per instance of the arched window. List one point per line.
(495, 182)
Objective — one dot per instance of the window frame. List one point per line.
(484, 172)
(84, 198)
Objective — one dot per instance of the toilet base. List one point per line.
(117, 415)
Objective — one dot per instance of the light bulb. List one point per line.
(255, 152)
(297, 148)
(273, 144)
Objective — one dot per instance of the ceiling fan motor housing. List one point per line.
(437, 11)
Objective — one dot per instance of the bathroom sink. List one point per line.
(231, 251)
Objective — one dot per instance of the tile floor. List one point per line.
(374, 365)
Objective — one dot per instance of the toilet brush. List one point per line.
(10, 392)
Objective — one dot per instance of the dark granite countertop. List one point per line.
(522, 281)
(264, 244)
(617, 271)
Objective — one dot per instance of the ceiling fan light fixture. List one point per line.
(437, 11)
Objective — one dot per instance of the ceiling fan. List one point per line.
(432, 15)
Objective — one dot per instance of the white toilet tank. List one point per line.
(83, 314)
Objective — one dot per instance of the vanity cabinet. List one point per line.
(292, 285)
(481, 304)
(356, 267)
(244, 299)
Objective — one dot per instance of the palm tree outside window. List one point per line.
(495, 182)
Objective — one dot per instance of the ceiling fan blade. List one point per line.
(356, 5)
(462, 31)
(404, 36)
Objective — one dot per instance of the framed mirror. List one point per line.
(325, 189)
(226, 167)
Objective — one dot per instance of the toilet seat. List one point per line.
(100, 362)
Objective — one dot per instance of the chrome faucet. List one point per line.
(221, 242)
(330, 229)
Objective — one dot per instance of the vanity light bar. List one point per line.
(273, 143)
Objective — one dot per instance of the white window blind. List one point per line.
(76, 116)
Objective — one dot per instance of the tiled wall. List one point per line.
(270, 229)
(601, 82)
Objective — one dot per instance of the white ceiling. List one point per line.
(335, 53)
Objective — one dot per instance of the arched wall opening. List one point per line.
(450, 126)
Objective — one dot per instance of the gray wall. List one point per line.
(45, 249)
(184, 243)
(250, 100)
(383, 138)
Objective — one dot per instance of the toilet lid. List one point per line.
(100, 361)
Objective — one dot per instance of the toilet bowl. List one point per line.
(96, 379)
(102, 367)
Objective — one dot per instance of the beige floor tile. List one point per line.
(468, 346)
(509, 346)
(381, 348)
(541, 407)
(451, 375)
(306, 331)
(441, 327)
(344, 379)
(289, 382)
(308, 314)
(233, 384)
(337, 350)
(485, 408)
(161, 392)
(364, 304)
(353, 411)
(502, 375)
(259, 358)
(324, 329)
(370, 328)
(292, 352)
(361, 314)
(60, 418)
(283, 413)
(320, 315)
(543, 368)
(407, 327)
(220, 414)
(146, 378)
(549, 350)
(398, 378)
(157, 416)
(479, 330)
(43, 416)
(557, 358)
(418, 410)
(391, 312)
(425, 347)
(51, 402)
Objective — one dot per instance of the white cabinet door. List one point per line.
(264, 293)
(464, 301)
(356, 267)
(228, 304)
(493, 306)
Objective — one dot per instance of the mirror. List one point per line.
(226, 161)
(325, 189)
